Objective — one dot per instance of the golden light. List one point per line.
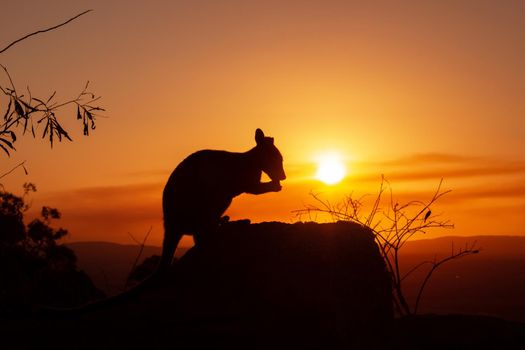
(330, 168)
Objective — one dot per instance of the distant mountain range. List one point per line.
(491, 282)
(512, 246)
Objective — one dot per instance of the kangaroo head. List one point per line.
(271, 160)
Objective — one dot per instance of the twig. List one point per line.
(14, 168)
(10, 80)
(43, 30)
(412, 270)
(140, 251)
(435, 264)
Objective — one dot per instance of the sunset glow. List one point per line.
(417, 92)
(330, 169)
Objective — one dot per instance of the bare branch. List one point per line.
(392, 227)
(43, 30)
(14, 168)
(135, 263)
(469, 250)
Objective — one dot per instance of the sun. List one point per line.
(330, 169)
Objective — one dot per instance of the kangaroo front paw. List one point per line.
(275, 186)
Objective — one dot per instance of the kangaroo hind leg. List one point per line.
(171, 241)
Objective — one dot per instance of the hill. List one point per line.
(502, 246)
(490, 283)
(109, 264)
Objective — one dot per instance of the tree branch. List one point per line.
(44, 30)
(469, 250)
(14, 168)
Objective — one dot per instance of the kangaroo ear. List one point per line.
(259, 136)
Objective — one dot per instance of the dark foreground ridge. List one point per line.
(252, 286)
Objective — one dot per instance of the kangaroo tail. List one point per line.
(48, 311)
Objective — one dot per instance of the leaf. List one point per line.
(18, 108)
(51, 97)
(5, 149)
(8, 109)
(46, 128)
(9, 144)
(79, 116)
(86, 130)
(13, 135)
(26, 120)
(63, 132)
(39, 100)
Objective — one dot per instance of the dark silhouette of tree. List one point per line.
(36, 268)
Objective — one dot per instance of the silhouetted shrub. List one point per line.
(35, 268)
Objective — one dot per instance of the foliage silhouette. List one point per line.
(25, 113)
(36, 268)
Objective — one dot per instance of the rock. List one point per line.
(302, 284)
(251, 286)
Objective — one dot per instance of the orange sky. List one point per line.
(413, 90)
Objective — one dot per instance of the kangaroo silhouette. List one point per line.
(203, 185)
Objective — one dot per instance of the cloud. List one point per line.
(433, 166)
(109, 212)
(124, 191)
(430, 158)
(141, 174)
(492, 191)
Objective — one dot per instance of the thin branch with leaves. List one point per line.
(26, 113)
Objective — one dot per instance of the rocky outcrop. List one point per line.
(298, 285)
(258, 286)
